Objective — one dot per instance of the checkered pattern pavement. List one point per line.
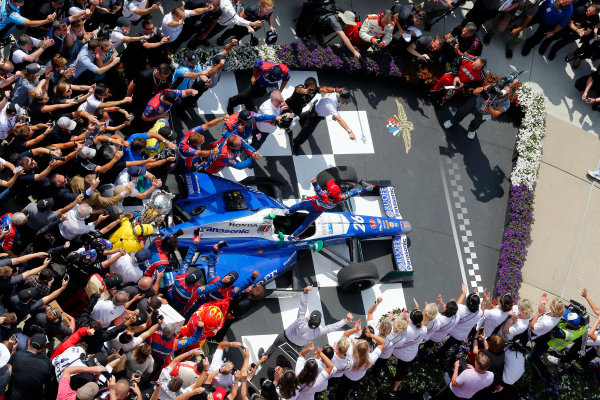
(464, 225)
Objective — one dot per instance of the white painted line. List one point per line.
(454, 233)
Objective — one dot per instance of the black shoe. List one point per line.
(296, 150)
(526, 50)
(551, 56)
(261, 352)
(542, 49)
(487, 39)
(221, 244)
(509, 53)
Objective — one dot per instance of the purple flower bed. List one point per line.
(513, 249)
(300, 56)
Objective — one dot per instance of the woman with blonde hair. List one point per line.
(542, 324)
(140, 360)
(430, 320)
(362, 360)
(519, 320)
(342, 358)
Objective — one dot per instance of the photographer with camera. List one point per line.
(489, 102)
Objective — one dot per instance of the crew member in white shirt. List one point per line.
(230, 10)
(407, 351)
(519, 320)
(127, 341)
(310, 379)
(303, 330)
(121, 33)
(469, 314)
(494, 316)
(447, 320)
(172, 23)
(134, 10)
(362, 360)
(9, 117)
(328, 105)
(342, 359)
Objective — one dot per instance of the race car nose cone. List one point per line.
(406, 226)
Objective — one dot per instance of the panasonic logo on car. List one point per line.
(189, 183)
(221, 230)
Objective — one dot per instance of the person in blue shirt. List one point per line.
(10, 17)
(160, 105)
(138, 143)
(553, 16)
(187, 72)
(243, 123)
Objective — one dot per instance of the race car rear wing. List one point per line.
(403, 267)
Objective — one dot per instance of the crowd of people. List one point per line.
(86, 95)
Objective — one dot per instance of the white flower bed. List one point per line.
(530, 137)
(239, 58)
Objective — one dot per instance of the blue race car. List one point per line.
(256, 230)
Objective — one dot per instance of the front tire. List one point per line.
(357, 277)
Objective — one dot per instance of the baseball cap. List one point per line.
(11, 108)
(192, 277)
(45, 204)
(112, 281)
(122, 21)
(217, 59)
(88, 391)
(345, 95)
(38, 341)
(246, 116)
(27, 294)
(167, 133)
(220, 394)
(136, 170)
(87, 153)
(276, 72)
(234, 275)
(98, 360)
(315, 319)
(271, 37)
(33, 68)
(571, 317)
(66, 123)
(142, 255)
(190, 56)
(170, 96)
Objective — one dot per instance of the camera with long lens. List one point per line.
(498, 87)
(286, 120)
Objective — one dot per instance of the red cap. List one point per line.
(333, 189)
(219, 394)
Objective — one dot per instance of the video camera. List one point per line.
(498, 87)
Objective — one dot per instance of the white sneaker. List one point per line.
(471, 134)
(594, 174)
(555, 360)
(447, 124)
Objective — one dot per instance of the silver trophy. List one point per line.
(157, 208)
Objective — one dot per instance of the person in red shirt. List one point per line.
(467, 72)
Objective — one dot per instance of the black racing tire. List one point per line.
(342, 175)
(357, 277)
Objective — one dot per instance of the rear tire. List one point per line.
(342, 175)
(357, 277)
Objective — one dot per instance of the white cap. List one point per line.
(87, 153)
(66, 123)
